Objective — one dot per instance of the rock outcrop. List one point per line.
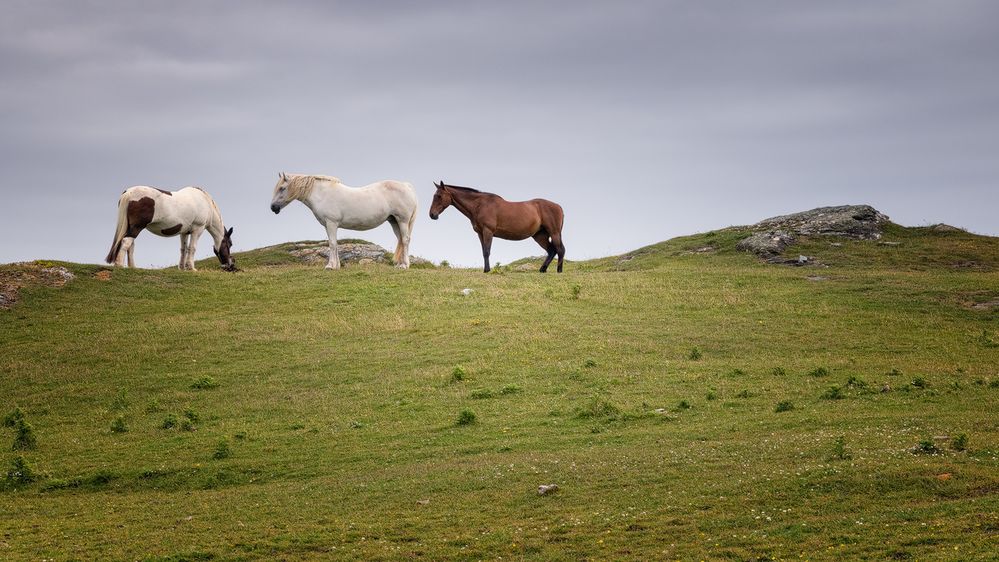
(15, 276)
(353, 252)
(773, 235)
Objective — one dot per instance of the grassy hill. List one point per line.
(689, 400)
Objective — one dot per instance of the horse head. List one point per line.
(223, 252)
(442, 200)
(281, 197)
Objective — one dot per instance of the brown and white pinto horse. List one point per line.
(491, 215)
(187, 212)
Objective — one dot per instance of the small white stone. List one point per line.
(547, 489)
(466, 291)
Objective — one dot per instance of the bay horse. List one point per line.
(491, 215)
(187, 212)
(336, 206)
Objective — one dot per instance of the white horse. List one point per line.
(356, 208)
(187, 212)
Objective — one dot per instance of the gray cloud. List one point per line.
(645, 120)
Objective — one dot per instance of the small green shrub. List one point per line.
(187, 425)
(445, 264)
(481, 394)
(192, 415)
(590, 363)
(920, 382)
(987, 340)
(784, 406)
(994, 383)
(11, 419)
(458, 374)
(819, 372)
(854, 382)
(466, 417)
(926, 447)
(575, 291)
(683, 405)
(169, 422)
(153, 406)
(597, 408)
(118, 425)
(960, 443)
(695, 354)
(778, 372)
(510, 389)
(711, 395)
(839, 449)
(356, 425)
(222, 450)
(120, 401)
(204, 383)
(24, 436)
(833, 393)
(20, 471)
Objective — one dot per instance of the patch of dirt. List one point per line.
(103, 275)
(988, 305)
(15, 276)
(969, 264)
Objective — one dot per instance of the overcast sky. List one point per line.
(644, 120)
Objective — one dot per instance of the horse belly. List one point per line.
(517, 225)
(167, 228)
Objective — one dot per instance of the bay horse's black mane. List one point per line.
(468, 189)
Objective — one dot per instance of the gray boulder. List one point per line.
(773, 235)
(862, 222)
(769, 243)
(350, 253)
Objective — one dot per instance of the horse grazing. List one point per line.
(336, 205)
(187, 212)
(491, 215)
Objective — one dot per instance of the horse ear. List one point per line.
(229, 232)
(283, 176)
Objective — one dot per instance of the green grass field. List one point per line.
(689, 405)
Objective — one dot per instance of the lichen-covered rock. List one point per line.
(769, 243)
(850, 221)
(773, 235)
(361, 253)
(15, 276)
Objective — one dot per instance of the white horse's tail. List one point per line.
(400, 248)
(119, 230)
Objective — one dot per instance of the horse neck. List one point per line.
(215, 226)
(466, 202)
(320, 189)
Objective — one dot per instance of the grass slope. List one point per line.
(287, 412)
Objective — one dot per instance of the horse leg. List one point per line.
(486, 237)
(125, 252)
(560, 248)
(397, 256)
(183, 251)
(334, 261)
(192, 246)
(403, 231)
(542, 239)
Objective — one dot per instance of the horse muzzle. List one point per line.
(433, 215)
(276, 208)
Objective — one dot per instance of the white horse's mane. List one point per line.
(300, 185)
